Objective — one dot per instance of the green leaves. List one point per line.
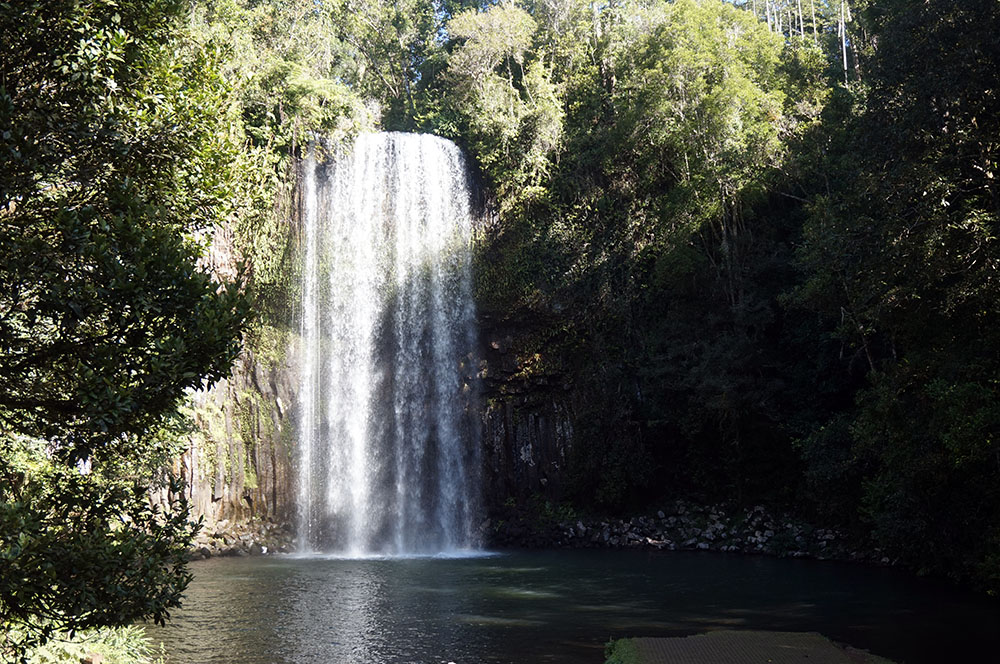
(631, 148)
(901, 252)
(701, 108)
(118, 160)
(79, 551)
(510, 108)
(489, 39)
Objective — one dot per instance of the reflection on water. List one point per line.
(555, 606)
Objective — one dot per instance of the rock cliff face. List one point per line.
(527, 416)
(239, 465)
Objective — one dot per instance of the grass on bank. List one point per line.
(621, 651)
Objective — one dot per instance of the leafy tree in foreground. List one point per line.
(115, 157)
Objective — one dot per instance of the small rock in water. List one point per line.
(661, 514)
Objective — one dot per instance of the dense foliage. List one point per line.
(116, 161)
(901, 255)
(758, 239)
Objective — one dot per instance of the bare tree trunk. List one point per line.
(843, 36)
(812, 4)
(853, 48)
(802, 25)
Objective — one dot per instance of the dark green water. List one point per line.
(555, 606)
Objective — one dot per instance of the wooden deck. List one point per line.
(739, 647)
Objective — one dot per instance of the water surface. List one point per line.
(554, 606)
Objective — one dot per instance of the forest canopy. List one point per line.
(759, 239)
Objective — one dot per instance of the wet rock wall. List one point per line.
(239, 465)
(527, 417)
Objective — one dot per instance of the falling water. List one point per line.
(388, 455)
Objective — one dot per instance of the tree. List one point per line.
(116, 160)
(509, 108)
(393, 38)
(628, 145)
(903, 251)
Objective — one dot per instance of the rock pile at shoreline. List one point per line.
(226, 539)
(683, 526)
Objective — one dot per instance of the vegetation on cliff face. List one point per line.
(756, 239)
(900, 257)
(292, 79)
(148, 149)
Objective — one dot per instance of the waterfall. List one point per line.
(388, 453)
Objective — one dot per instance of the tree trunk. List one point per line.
(843, 36)
(812, 4)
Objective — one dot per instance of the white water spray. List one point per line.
(388, 442)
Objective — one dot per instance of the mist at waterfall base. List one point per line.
(388, 442)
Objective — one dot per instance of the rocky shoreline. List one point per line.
(224, 538)
(682, 526)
